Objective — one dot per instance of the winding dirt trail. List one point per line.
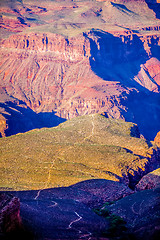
(93, 127)
(38, 193)
(77, 220)
(83, 235)
(53, 205)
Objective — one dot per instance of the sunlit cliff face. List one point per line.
(80, 57)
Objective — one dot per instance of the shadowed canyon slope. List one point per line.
(80, 57)
(63, 213)
(141, 212)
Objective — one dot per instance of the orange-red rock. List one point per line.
(157, 139)
(59, 67)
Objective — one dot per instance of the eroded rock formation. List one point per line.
(61, 62)
(80, 75)
(10, 221)
(149, 181)
(157, 139)
(3, 126)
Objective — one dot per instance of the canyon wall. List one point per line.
(74, 49)
(93, 72)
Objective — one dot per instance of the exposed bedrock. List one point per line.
(10, 220)
(149, 181)
(93, 73)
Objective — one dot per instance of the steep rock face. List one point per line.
(10, 220)
(135, 173)
(16, 117)
(63, 80)
(109, 53)
(149, 75)
(3, 126)
(60, 62)
(157, 139)
(74, 49)
(149, 181)
(151, 42)
(79, 75)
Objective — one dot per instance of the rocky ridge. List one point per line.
(69, 149)
(10, 220)
(157, 139)
(149, 181)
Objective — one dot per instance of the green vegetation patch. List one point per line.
(117, 226)
(79, 149)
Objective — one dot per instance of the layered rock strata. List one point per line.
(80, 75)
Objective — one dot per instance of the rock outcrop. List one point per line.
(3, 126)
(149, 181)
(157, 139)
(10, 220)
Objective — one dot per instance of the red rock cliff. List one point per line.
(90, 73)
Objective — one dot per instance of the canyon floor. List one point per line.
(80, 119)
